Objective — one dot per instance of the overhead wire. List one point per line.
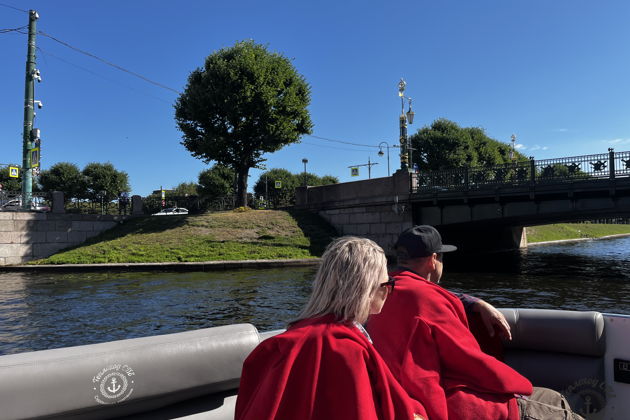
(7, 30)
(343, 141)
(47, 53)
(331, 147)
(116, 66)
(14, 8)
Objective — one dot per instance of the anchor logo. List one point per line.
(113, 388)
(113, 384)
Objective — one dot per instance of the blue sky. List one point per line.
(555, 73)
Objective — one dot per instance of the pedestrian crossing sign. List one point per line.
(354, 171)
(278, 185)
(14, 172)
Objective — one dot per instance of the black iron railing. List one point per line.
(567, 169)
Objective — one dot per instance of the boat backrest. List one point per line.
(556, 349)
(120, 378)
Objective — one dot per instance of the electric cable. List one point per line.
(116, 66)
(331, 147)
(47, 53)
(344, 142)
(4, 31)
(14, 8)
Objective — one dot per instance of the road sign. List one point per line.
(14, 172)
(278, 185)
(34, 157)
(354, 171)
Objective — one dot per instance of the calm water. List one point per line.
(41, 311)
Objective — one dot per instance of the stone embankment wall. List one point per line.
(26, 236)
(377, 209)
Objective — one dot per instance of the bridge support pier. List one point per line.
(482, 239)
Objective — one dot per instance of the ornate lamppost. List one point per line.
(405, 148)
(513, 151)
(380, 153)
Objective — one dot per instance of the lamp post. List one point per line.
(380, 153)
(405, 149)
(304, 161)
(513, 151)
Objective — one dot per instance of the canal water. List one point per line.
(43, 311)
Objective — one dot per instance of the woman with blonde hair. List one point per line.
(324, 366)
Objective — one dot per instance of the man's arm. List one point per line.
(490, 316)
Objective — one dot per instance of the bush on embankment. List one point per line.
(566, 231)
(218, 236)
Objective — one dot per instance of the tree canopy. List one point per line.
(446, 145)
(244, 102)
(216, 182)
(65, 177)
(285, 195)
(104, 181)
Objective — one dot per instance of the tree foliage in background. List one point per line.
(8, 183)
(245, 101)
(446, 145)
(104, 181)
(185, 189)
(285, 196)
(65, 177)
(216, 182)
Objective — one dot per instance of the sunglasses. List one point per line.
(390, 284)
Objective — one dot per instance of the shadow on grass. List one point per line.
(319, 232)
(137, 225)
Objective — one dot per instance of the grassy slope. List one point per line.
(260, 234)
(573, 231)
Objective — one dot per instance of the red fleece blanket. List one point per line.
(423, 335)
(320, 369)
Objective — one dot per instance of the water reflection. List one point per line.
(40, 311)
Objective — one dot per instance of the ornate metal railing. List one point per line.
(609, 165)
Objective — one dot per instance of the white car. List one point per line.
(171, 211)
(16, 205)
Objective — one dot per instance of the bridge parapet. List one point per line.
(611, 165)
(377, 208)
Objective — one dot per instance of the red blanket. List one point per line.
(320, 369)
(423, 335)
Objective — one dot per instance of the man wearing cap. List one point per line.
(423, 334)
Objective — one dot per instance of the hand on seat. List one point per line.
(491, 318)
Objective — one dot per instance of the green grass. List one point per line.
(573, 231)
(220, 236)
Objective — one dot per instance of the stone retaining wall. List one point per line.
(25, 236)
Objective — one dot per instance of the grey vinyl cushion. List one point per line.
(548, 330)
(129, 376)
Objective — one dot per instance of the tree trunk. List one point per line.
(241, 191)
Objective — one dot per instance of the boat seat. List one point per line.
(556, 349)
(194, 374)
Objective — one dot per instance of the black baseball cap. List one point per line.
(421, 241)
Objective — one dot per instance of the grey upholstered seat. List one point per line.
(556, 349)
(150, 375)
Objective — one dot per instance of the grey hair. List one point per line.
(348, 276)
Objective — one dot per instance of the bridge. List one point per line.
(478, 208)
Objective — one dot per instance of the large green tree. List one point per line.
(65, 177)
(216, 182)
(446, 145)
(246, 101)
(104, 181)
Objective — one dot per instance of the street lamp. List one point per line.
(513, 151)
(380, 153)
(405, 149)
(304, 161)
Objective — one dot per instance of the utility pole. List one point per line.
(29, 112)
(369, 165)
